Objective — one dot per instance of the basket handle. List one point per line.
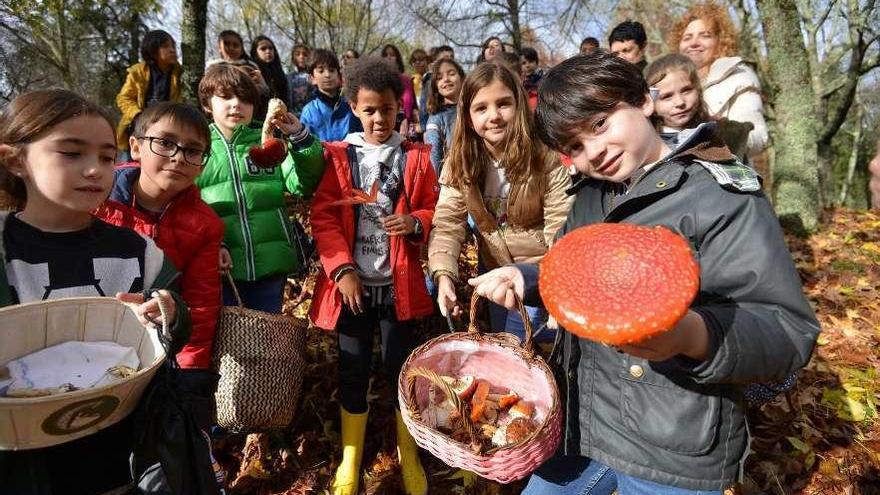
(460, 406)
(527, 323)
(163, 311)
(234, 288)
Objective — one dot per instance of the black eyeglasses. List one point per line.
(167, 148)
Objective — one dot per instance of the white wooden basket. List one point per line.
(29, 423)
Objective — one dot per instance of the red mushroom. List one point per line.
(272, 151)
(619, 283)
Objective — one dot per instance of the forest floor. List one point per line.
(823, 437)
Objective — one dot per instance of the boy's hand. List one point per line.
(352, 291)
(150, 308)
(446, 298)
(689, 338)
(399, 224)
(501, 286)
(287, 123)
(225, 261)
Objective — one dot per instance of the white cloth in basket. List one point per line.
(81, 364)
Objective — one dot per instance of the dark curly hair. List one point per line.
(374, 74)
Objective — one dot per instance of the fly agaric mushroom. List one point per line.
(273, 151)
(619, 283)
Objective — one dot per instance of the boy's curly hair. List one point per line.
(717, 18)
(374, 74)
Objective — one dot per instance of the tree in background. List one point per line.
(194, 21)
(83, 45)
(796, 181)
(468, 23)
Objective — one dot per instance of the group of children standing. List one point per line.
(194, 194)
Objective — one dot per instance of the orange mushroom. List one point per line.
(619, 283)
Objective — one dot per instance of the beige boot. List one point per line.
(348, 474)
(414, 480)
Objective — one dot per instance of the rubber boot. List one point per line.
(348, 474)
(414, 480)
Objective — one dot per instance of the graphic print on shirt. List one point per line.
(101, 260)
(372, 246)
(37, 282)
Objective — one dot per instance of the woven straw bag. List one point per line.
(498, 358)
(260, 358)
(30, 423)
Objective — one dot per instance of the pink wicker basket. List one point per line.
(498, 358)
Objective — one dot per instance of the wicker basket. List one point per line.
(260, 358)
(499, 359)
(30, 423)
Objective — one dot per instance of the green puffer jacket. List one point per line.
(250, 200)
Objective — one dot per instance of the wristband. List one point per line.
(437, 273)
(342, 271)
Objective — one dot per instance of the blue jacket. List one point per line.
(438, 133)
(330, 123)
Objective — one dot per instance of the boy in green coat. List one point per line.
(259, 247)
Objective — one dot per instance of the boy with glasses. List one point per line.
(155, 195)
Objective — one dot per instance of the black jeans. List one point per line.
(355, 344)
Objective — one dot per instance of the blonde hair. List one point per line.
(719, 22)
(662, 67)
(469, 158)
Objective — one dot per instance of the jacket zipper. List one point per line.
(242, 209)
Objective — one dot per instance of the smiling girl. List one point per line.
(446, 80)
(57, 152)
(508, 182)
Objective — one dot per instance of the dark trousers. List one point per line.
(355, 344)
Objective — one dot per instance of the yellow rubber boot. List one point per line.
(414, 480)
(348, 474)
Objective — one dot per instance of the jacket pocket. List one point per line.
(668, 416)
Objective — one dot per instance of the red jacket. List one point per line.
(333, 228)
(190, 233)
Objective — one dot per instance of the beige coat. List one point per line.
(536, 209)
(731, 90)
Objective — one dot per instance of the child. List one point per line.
(679, 103)
(156, 197)
(328, 115)
(231, 47)
(372, 275)
(155, 79)
(446, 80)
(57, 152)
(298, 78)
(408, 116)
(249, 199)
(531, 74)
(509, 183)
(264, 53)
(666, 415)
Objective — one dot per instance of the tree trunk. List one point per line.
(515, 28)
(796, 168)
(195, 21)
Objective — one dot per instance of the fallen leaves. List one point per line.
(823, 437)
